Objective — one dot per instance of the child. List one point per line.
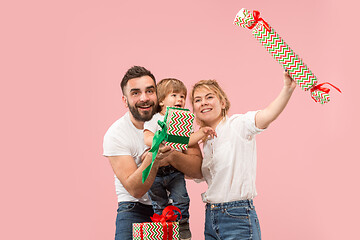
(171, 93)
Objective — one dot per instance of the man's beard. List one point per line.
(147, 115)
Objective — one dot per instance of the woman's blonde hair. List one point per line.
(214, 86)
(169, 85)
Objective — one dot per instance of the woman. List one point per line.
(229, 163)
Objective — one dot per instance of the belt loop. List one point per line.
(251, 204)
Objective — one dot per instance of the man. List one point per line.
(124, 146)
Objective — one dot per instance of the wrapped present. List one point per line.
(175, 132)
(276, 46)
(162, 227)
(179, 123)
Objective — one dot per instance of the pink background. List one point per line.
(61, 63)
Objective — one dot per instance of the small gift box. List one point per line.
(179, 123)
(175, 132)
(276, 46)
(162, 227)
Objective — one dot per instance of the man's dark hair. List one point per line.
(135, 72)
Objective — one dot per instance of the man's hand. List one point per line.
(163, 155)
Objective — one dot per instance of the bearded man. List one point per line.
(124, 147)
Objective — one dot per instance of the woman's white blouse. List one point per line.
(229, 163)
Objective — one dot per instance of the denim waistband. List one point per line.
(240, 203)
(135, 203)
(166, 170)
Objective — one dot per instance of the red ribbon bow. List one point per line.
(321, 88)
(166, 218)
(257, 18)
(167, 215)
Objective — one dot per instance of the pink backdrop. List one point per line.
(61, 64)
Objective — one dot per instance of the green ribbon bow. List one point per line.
(159, 136)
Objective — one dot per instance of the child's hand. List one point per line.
(142, 157)
(288, 81)
(208, 131)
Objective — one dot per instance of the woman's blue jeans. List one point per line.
(232, 221)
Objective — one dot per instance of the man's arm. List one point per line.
(188, 162)
(264, 117)
(130, 175)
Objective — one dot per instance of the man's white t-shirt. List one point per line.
(123, 138)
(229, 163)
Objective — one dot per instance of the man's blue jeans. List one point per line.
(129, 213)
(175, 184)
(232, 221)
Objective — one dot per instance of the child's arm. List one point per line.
(264, 117)
(201, 134)
(148, 137)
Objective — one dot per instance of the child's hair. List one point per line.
(169, 85)
(214, 86)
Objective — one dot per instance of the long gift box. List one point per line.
(175, 132)
(276, 46)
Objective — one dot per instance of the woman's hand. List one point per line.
(162, 156)
(288, 81)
